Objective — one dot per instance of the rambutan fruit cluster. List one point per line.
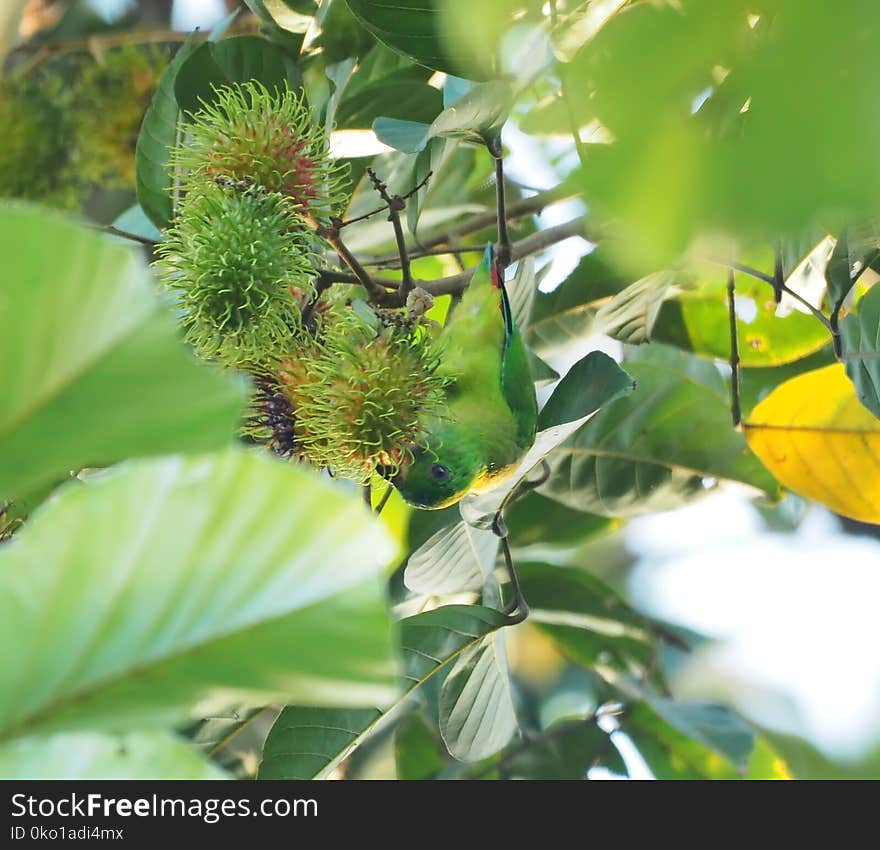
(268, 137)
(240, 269)
(360, 389)
(339, 384)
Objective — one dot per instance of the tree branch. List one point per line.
(395, 204)
(502, 251)
(478, 222)
(124, 234)
(533, 244)
(331, 235)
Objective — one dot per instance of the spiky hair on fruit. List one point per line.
(239, 263)
(251, 134)
(359, 390)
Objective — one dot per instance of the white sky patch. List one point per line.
(111, 10)
(355, 143)
(745, 308)
(794, 616)
(189, 15)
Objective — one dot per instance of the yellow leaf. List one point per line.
(815, 436)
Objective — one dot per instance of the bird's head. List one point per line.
(436, 479)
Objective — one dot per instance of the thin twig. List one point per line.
(367, 494)
(502, 249)
(95, 44)
(735, 411)
(384, 207)
(384, 500)
(533, 244)
(766, 278)
(331, 235)
(778, 274)
(480, 221)
(395, 205)
(575, 131)
(124, 234)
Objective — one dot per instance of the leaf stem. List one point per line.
(735, 411)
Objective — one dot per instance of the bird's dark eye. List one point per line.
(439, 472)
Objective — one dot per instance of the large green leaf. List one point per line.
(304, 741)
(90, 755)
(586, 618)
(630, 315)
(860, 334)
(411, 27)
(429, 642)
(94, 370)
(170, 588)
(669, 752)
(457, 558)
(401, 95)
(418, 750)
(594, 381)
(698, 320)
(537, 520)
(234, 60)
(652, 450)
(566, 750)
(157, 137)
(476, 115)
(678, 169)
(477, 714)
(714, 726)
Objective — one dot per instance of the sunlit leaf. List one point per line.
(817, 438)
(90, 755)
(714, 726)
(669, 753)
(456, 559)
(652, 450)
(95, 370)
(698, 319)
(590, 622)
(228, 62)
(428, 642)
(477, 715)
(167, 589)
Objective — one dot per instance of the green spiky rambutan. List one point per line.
(253, 135)
(34, 144)
(109, 100)
(238, 261)
(359, 390)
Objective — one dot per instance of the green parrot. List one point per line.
(491, 415)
